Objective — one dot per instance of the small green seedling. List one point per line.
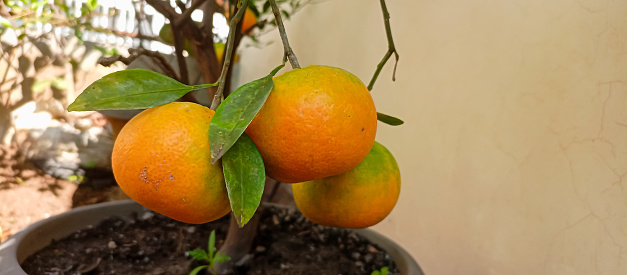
(383, 271)
(76, 179)
(210, 255)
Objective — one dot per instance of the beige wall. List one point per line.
(514, 151)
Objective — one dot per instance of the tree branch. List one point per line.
(162, 7)
(186, 14)
(134, 54)
(179, 42)
(127, 34)
(4, 11)
(391, 48)
(286, 44)
(217, 98)
(181, 5)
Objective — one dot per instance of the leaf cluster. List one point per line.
(211, 256)
(242, 164)
(28, 17)
(382, 271)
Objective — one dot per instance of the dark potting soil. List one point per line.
(286, 243)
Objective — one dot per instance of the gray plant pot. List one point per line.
(40, 234)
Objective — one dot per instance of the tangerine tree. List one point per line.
(314, 127)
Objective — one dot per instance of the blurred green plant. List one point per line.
(76, 179)
(382, 271)
(36, 17)
(211, 255)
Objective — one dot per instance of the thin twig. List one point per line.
(179, 43)
(134, 54)
(4, 11)
(239, 34)
(286, 44)
(140, 16)
(181, 5)
(217, 98)
(127, 34)
(207, 18)
(162, 7)
(391, 48)
(195, 5)
(262, 22)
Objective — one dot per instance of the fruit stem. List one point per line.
(391, 48)
(217, 98)
(286, 44)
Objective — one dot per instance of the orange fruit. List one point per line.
(248, 20)
(359, 198)
(219, 48)
(318, 122)
(161, 160)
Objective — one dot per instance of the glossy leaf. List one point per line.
(131, 89)
(236, 112)
(390, 120)
(245, 177)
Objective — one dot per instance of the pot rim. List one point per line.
(36, 236)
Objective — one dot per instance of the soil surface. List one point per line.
(28, 195)
(286, 243)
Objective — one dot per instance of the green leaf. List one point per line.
(131, 89)
(198, 254)
(5, 23)
(245, 176)
(384, 271)
(390, 120)
(212, 244)
(266, 6)
(60, 83)
(63, 7)
(235, 113)
(197, 269)
(220, 258)
(78, 33)
(41, 85)
(253, 8)
(92, 4)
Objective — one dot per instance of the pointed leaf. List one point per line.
(266, 6)
(197, 269)
(245, 176)
(220, 258)
(235, 113)
(198, 254)
(390, 120)
(131, 89)
(41, 85)
(212, 244)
